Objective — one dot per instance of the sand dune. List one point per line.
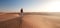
(41, 21)
(29, 21)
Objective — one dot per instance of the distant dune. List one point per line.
(36, 13)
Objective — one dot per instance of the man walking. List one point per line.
(21, 12)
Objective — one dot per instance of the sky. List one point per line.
(30, 5)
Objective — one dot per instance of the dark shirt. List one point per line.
(21, 10)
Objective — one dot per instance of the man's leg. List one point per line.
(21, 14)
(21, 20)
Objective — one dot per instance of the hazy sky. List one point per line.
(30, 5)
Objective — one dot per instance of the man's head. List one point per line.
(21, 10)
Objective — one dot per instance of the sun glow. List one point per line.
(53, 6)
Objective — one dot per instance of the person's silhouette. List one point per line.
(21, 11)
(21, 14)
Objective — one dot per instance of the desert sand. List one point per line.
(29, 21)
(9, 20)
(41, 21)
